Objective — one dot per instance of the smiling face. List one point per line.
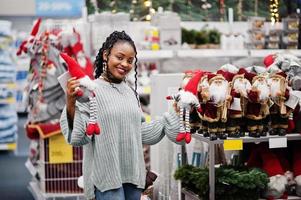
(120, 60)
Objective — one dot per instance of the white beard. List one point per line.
(263, 88)
(218, 92)
(277, 183)
(275, 88)
(242, 86)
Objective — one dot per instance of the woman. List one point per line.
(113, 164)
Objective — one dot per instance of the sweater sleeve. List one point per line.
(153, 132)
(76, 136)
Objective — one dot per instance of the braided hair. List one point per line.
(113, 38)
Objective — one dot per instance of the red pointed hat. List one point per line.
(242, 71)
(192, 85)
(280, 74)
(271, 164)
(35, 28)
(212, 77)
(268, 60)
(229, 76)
(74, 68)
(250, 76)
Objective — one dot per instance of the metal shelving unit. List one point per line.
(294, 136)
(38, 194)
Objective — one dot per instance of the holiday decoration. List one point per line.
(216, 100)
(257, 108)
(231, 182)
(239, 87)
(187, 101)
(75, 70)
(279, 112)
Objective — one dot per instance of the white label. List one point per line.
(280, 142)
(63, 80)
(235, 104)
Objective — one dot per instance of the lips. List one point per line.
(121, 70)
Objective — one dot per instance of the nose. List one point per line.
(124, 63)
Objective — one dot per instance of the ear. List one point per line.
(105, 55)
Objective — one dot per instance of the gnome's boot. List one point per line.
(273, 131)
(254, 134)
(242, 134)
(213, 136)
(263, 133)
(206, 134)
(222, 136)
(281, 132)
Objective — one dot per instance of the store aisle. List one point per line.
(14, 177)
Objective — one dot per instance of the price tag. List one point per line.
(59, 150)
(233, 145)
(280, 142)
(147, 118)
(147, 90)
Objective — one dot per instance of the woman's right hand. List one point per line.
(72, 84)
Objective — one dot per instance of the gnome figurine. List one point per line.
(187, 100)
(278, 181)
(84, 92)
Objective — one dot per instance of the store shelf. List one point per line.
(189, 195)
(8, 146)
(264, 52)
(198, 53)
(153, 55)
(247, 139)
(39, 195)
(293, 136)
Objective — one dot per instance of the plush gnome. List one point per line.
(186, 100)
(86, 83)
(278, 182)
(26, 44)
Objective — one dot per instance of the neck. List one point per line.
(107, 76)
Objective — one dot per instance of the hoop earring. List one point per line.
(104, 66)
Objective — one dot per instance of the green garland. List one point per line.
(230, 183)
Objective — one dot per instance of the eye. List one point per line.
(130, 61)
(119, 57)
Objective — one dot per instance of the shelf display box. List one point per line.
(274, 39)
(59, 177)
(256, 23)
(290, 33)
(256, 33)
(169, 27)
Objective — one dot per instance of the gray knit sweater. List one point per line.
(116, 155)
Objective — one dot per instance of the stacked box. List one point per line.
(169, 26)
(256, 33)
(290, 33)
(273, 41)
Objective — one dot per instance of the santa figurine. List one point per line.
(257, 108)
(203, 87)
(84, 93)
(216, 101)
(239, 87)
(279, 112)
